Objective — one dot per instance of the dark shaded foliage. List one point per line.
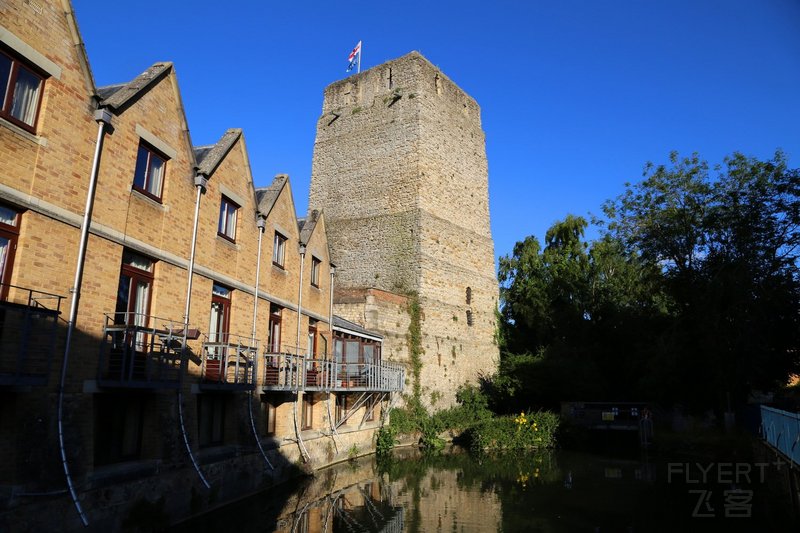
(691, 295)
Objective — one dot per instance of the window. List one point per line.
(220, 318)
(315, 271)
(351, 353)
(9, 231)
(133, 294)
(312, 339)
(210, 420)
(274, 334)
(308, 412)
(469, 317)
(149, 174)
(370, 353)
(269, 417)
(21, 92)
(117, 429)
(469, 295)
(227, 219)
(279, 250)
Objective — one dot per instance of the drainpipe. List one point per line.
(260, 223)
(200, 181)
(300, 293)
(103, 118)
(330, 308)
(300, 391)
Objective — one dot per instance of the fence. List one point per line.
(781, 430)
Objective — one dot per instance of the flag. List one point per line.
(355, 55)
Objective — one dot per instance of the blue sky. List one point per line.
(575, 95)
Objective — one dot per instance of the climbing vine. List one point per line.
(414, 338)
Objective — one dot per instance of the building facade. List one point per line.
(400, 170)
(167, 341)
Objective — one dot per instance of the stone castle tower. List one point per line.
(400, 170)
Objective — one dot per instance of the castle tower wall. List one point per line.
(400, 171)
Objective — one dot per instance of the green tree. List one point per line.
(727, 249)
(577, 317)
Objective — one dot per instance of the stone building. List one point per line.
(400, 170)
(203, 362)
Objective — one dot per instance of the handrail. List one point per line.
(34, 297)
(781, 430)
(29, 334)
(229, 359)
(143, 349)
(298, 372)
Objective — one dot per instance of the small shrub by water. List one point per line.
(524, 431)
(385, 441)
(473, 419)
(472, 409)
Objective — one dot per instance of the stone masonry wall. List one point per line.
(400, 170)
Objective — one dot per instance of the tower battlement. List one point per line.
(411, 74)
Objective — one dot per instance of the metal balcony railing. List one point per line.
(298, 372)
(334, 375)
(781, 430)
(283, 371)
(141, 351)
(229, 362)
(28, 334)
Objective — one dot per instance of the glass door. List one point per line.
(133, 297)
(9, 230)
(220, 319)
(220, 314)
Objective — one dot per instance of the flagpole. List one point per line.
(360, 52)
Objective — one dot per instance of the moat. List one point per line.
(544, 491)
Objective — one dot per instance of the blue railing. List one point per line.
(781, 430)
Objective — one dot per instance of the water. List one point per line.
(550, 491)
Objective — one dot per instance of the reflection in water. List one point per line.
(366, 506)
(454, 492)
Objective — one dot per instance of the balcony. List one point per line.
(142, 352)
(283, 372)
(297, 372)
(229, 363)
(28, 335)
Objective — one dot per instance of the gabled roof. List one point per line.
(210, 156)
(120, 95)
(267, 196)
(200, 152)
(307, 225)
(109, 90)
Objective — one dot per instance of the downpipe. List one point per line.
(300, 294)
(200, 181)
(300, 395)
(260, 223)
(103, 118)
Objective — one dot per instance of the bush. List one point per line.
(525, 431)
(403, 421)
(385, 441)
(473, 418)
